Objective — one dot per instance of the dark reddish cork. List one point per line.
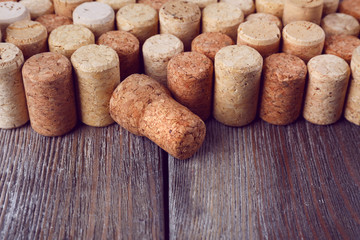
(341, 46)
(52, 21)
(351, 7)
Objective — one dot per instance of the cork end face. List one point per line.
(11, 57)
(341, 46)
(259, 32)
(13, 11)
(25, 31)
(156, 4)
(93, 13)
(303, 33)
(124, 43)
(136, 14)
(350, 7)
(340, 23)
(222, 13)
(329, 67)
(162, 45)
(52, 21)
(265, 17)
(180, 11)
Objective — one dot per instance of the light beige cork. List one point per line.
(52, 21)
(156, 4)
(261, 35)
(11, 12)
(67, 39)
(222, 17)
(274, 7)
(236, 86)
(302, 10)
(97, 74)
(246, 6)
(351, 7)
(144, 107)
(66, 7)
(303, 39)
(181, 19)
(13, 109)
(341, 46)
(38, 8)
(330, 6)
(326, 89)
(340, 24)
(157, 52)
(117, 4)
(202, 3)
(265, 17)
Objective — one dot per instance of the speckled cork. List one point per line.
(222, 17)
(190, 78)
(326, 89)
(144, 107)
(127, 47)
(157, 52)
(210, 43)
(117, 4)
(138, 19)
(156, 4)
(341, 46)
(52, 21)
(302, 10)
(303, 39)
(274, 7)
(29, 36)
(67, 39)
(181, 19)
(66, 7)
(202, 3)
(284, 78)
(330, 6)
(13, 109)
(246, 6)
(11, 12)
(50, 93)
(38, 8)
(340, 24)
(265, 17)
(236, 86)
(97, 75)
(351, 7)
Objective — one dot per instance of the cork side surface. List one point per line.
(341, 46)
(274, 7)
(66, 7)
(330, 6)
(352, 106)
(52, 21)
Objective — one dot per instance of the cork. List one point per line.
(261, 35)
(144, 107)
(351, 7)
(181, 19)
(50, 94)
(236, 86)
(274, 7)
(11, 12)
(190, 77)
(340, 24)
(284, 78)
(157, 52)
(138, 19)
(246, 6)
(29, 36)
(341, 46)
(52, 21)
(38, 8)
(330, 6)
(326, 89)
(127, 47)
(210, 43)
(67, 39)
(302, 10)
(96, 16)
(13, 109)
(265, 17)
(66, 7)
(202, 3)
(117, 4)
(156, 4)
(303, 39)
(97, 74)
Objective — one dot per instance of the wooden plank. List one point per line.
(262, 181)
(94, 183)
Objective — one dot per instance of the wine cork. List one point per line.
(222, 17)
(303, 39)
(340, 24)
(210, 43)
(96, 16)
(157, 52)
(284, 78)
(351, 7)
(144, 107)
(181, 19)
(341, 46)
(352, 106)
(330, 6)
(97, 75)
(274, 7)
(237, 83)
(138, 19)
(265, 17)
(246, 6)
(127, 47)
(190, 77)
(52, 21)
(29, 36)
(302, 10)
(13, 109)
(117, 4)
(155, 4)
(38, 8)
(66, 7)
(11, 12)
(67, 39)
(202, 3)
(326, 89)
(50, 93)
(263, 36)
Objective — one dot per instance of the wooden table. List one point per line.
(254, 182)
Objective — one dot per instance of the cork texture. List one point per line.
(284, 78)
(66, 7)
(156, 4)
(117, 4)
(341, 46)
(351, 7)
(202, 3)
(38, 8)
(50, 93)
(274, 7)
(97, 74)
(340, 24)
(326, 89)
(302, 10)
(144, 107)
(246, 6)
(52, 21)
(330, 6)
(352, 106)
(265, 17)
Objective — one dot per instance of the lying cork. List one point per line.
(50, 93)
(13, 110)
(340, 24)
(284, 78)
(157, 52)
(117, 4)
(246, 6)
(97, 75)
(330, 6)
(302, 10)
(11, 12)
(341, 46)
(66, 7)
(127, 47)
(265, 17)
(144, 107)
(38, 8)
(326, 89)
(274, 7)
(351, 7)
(156, 4)
(237, 83)
(52, 21)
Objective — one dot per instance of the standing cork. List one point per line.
(351, 7)
(117, 4)
(237, 83)
(181, 19)
(303, 39)
(284, 78)
(202, 3)
(265, 17)
(157, 52)
(38, 8)
(50, 93)
(326, 89)
(156, 4)
(11, 12)
(246, 6)
(340, 24)
(66, 7)
(97, 75)
(302, 10)
(13, 110)
(330, 6)
(144, 107)
(341, 46)
(52, 21)
(274, 7)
